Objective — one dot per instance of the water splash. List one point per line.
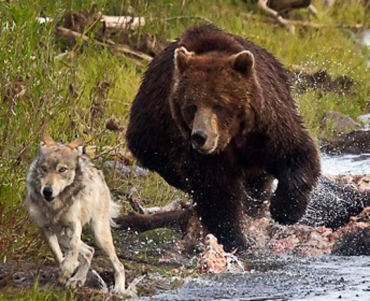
(346, 164)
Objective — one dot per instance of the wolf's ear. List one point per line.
(243, 62)
(76, 143)
(81, 150)
(47, 140)
(182, 56)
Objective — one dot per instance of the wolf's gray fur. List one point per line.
(64, 192)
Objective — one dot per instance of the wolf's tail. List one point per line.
(331, 204)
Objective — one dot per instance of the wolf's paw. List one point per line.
(76, 281)
(126, 294)
(66, 270)
(131, 291)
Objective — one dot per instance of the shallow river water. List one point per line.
(324, 278)
(348, 164)
(283, 278)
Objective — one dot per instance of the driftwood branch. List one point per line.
(67, 33)
(122, 21)
(262, 4)
(142, 222)
(317, 25)
(312, 24)
(291, 24)
(173, 215)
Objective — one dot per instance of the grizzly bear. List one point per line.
(215, 118)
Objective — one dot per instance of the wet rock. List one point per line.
(337, 123)
(355, 142)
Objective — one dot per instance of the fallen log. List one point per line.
(70, 34)
(262, 4)
(292, 24)
(145, 222)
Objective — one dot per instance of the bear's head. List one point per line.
(212, 97)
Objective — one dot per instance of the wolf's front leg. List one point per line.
(103, 236)
(79, 279)
(70, 262)
(52, 240)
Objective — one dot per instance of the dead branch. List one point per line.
(329, 4)
(312, 24)
(312, 9)
(316, 25)
(139, 207)
(291, 24)
(142, 222)
(107, 151)
(262, 4)
(67, 33)
(122, 21)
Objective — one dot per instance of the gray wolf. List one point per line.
(65, 191)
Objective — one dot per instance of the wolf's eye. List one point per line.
(62, 169)
(43, 168)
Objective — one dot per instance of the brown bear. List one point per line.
(215, 118)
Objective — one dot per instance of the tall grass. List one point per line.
(40, 94)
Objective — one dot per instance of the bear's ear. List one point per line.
(242, 62)
(182, 57)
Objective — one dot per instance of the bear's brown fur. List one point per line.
(214, 117)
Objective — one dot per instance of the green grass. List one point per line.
(35, 89)
(37, 293)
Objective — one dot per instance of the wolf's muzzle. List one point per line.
(47, 192)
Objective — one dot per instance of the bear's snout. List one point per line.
(198, 139)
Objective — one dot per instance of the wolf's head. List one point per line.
(57, 165)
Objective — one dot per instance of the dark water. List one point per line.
(324, 278)
(283, 278)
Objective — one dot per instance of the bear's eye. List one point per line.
(217, 108)
(192, 109)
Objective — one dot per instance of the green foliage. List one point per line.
(37, 294)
